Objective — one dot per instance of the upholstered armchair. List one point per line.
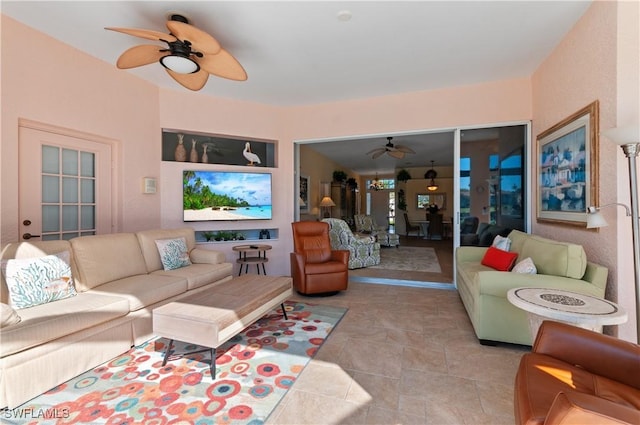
(363, 250)
(315, 267)
(367, 224)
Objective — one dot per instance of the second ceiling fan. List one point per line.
(395, 151)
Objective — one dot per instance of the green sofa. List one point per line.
(483, 290)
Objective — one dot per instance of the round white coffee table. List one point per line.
(580, 310)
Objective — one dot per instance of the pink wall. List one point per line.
(495, 102)
(46, 81)
(580, 70)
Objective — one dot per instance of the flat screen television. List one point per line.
(226, 196)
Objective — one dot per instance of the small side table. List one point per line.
(260, 258)
(576, 309)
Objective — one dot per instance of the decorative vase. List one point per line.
(181, 152)
(205, 157)
(193, 157)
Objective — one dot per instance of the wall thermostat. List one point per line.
(149, 185)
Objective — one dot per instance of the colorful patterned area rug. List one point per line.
(254, 370)
(409, 258)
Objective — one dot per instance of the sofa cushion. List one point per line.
(105, 258)
(8, 316)
(48, 322)
(147, 238)
(501, 242)
(33, 249)
(499, 259)
(555, 258)
(525, 266)
(143, 290)
(173, 253)
(38, 280)
(198, 275)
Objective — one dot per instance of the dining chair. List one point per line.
(411, 227)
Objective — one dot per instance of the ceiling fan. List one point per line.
(189, 57)
(395, 151)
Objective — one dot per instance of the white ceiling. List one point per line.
(299, 52)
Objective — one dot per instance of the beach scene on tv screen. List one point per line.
(218, 195)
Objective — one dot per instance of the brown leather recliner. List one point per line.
(315, 268)
(576, 376)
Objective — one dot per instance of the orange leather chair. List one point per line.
(315, 268)
(576, 376)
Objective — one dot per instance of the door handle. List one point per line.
(28, 236)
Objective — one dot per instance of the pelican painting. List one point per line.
(251, 157)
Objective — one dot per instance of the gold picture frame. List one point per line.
(567, 168)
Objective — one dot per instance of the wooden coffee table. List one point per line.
(211, 317)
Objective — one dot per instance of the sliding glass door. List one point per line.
(493, 172)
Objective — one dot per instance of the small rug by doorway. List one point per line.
(255, 369)
(409, 258)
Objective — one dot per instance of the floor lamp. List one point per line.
(629, 140)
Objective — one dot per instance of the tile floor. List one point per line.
(402, 355)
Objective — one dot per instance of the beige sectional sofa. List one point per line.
(483, 290)
(119, 279)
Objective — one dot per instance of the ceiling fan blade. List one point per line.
(377, 154)
(404, 149)
(396, 154)
(224, 65)
(143, 54)
(375, 150)
(148, 34)
(194, 81)
(200, 40)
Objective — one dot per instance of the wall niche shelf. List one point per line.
(215, 236)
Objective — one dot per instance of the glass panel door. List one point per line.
(493, 175)
(65, 185)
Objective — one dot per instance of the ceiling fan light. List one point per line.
(180, 64)
(432, 186)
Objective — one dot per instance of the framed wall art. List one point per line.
(304, 194)
(567, 168)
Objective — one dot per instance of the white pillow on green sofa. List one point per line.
(501, 242)
(525, 266)
(38, 280)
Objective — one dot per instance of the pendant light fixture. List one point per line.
(431, 174)
(376, 184)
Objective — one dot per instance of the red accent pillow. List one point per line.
(499, 259)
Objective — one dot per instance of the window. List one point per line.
(465, 187)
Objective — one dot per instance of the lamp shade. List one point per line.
(179, 64)
(327, 202)
(625, 135)
(595, 219)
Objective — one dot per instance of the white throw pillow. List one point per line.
(38, 280)
(173, 253)
(9, 315)
(501, 242)
(525, 266)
